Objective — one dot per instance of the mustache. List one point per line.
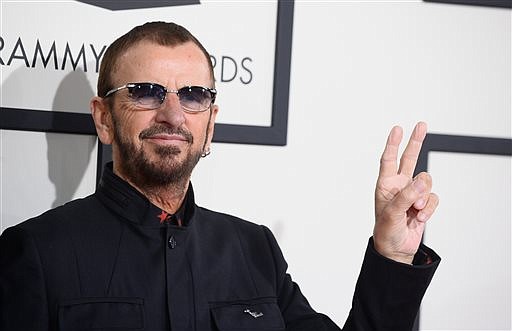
(158, 129)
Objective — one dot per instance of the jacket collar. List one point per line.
(123, 199)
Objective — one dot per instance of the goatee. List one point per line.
(166, 170)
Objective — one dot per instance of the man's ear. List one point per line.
(211, 125)
(102, 120)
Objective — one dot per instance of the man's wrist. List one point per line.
(397, 257)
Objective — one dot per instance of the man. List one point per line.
(138, 254)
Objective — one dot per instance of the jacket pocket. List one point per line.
(257, 314)
(101, 314)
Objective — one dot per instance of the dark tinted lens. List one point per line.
(195, 98)
(147, 95)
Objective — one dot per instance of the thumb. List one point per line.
(408, 196)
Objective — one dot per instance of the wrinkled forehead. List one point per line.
(148, 60)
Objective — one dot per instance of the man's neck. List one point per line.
(168, 197)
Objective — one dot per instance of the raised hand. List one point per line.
(402, 203)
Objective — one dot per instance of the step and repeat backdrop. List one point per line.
(307, 93)
(59, 43)
(50, 54)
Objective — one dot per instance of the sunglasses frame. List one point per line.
(213, 92)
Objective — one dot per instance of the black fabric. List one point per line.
(384, 278)
(262, 314)
(101, 314)
(100, 260)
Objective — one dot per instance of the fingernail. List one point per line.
(421, 216)
(420, 204)
(419, 186)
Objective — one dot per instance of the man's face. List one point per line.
(154, 148)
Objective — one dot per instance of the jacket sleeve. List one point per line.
(387, 295)
(23, 304)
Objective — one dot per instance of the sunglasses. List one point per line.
(193, 99)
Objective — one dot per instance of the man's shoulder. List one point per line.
(255, 240)
(223, 221)
(68, 213)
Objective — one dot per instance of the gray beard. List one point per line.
(151, 176)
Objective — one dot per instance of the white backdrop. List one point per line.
(358, 68)
(240, 39)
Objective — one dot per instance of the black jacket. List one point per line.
(100, 263)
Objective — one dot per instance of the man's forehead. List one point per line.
(148, 48)
(150, 52)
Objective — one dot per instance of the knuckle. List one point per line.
(436, 199)
(426, 178)
(433, 202)
(405, 158)
(424, 175)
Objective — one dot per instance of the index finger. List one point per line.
(388, 160)
(412, 151)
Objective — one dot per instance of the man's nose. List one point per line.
(171, 111)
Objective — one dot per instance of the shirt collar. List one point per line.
(119, 196)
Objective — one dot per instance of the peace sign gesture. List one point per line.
(402, 203)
